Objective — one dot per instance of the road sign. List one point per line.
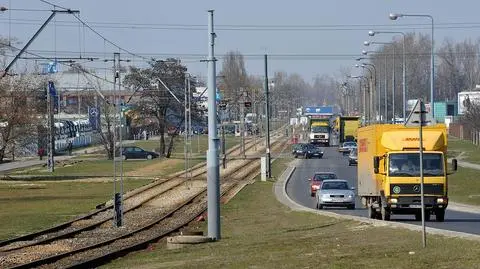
(419, 115)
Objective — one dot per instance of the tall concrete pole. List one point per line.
(267, 120)
(432, 74)
(393, 85)
(404, 82)
(385, 92)
(51, 128)
(213, 172)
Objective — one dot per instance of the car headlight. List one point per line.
(325, 195)
(350, 195)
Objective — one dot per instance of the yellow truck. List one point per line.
(348, 127)
(389, 175)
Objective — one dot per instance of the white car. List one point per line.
(335, 193)
(347, 147)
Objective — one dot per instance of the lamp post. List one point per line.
(394, 16)
(372, 94)
(404, 82)
(368, 43)
(364, 93)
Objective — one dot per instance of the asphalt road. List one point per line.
(298, 190)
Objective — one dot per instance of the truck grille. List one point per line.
(436, 189)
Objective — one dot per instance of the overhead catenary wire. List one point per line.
(260, 27)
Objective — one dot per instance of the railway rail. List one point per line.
(146, 213)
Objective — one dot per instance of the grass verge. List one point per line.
(84, 166)
(28, 207)
(456, 146)
(464, 186)
(259, 232)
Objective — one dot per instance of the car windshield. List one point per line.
(320, 177)
(320, 129)
(408, 164)
(335, 185)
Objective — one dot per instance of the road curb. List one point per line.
(280, 190)
(464, 208)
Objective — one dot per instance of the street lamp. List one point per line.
(404, 83)
(394, 16)
(364, 93)
(368, 43)
(374, 91)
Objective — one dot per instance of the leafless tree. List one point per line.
(233, 80)
(18, 113)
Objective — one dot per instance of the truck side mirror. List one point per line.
(454, 164)
(376, 164)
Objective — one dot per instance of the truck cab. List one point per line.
(319, 134)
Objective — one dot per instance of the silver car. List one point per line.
(335, 192)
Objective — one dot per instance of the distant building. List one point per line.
(77, 90)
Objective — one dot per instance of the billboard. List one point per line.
(319, 110)
(467, 98)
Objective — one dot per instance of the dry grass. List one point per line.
(259, 232)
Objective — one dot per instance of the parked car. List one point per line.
(346, 147)
(132, 152)
(317, 180)
(335, 192)
(353, 157)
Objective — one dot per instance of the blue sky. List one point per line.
(347, 24)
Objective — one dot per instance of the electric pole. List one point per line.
(213, 172)
(242, 122)
(267, 120)
(118, 104)
(51, 126)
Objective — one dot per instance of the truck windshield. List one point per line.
(319, 129)
(408, 164)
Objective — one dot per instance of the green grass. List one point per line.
(456, 146)
(464, 186)
(259, 232)
(85, 167)
(95, 165)
(38, 205)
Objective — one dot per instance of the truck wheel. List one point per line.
(440, 215)
(385, 212)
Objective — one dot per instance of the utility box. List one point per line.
(263, 168)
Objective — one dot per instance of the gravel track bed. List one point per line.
(133, 220)
(181, 217)
(160, 204)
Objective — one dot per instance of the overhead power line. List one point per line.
(256, 27)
